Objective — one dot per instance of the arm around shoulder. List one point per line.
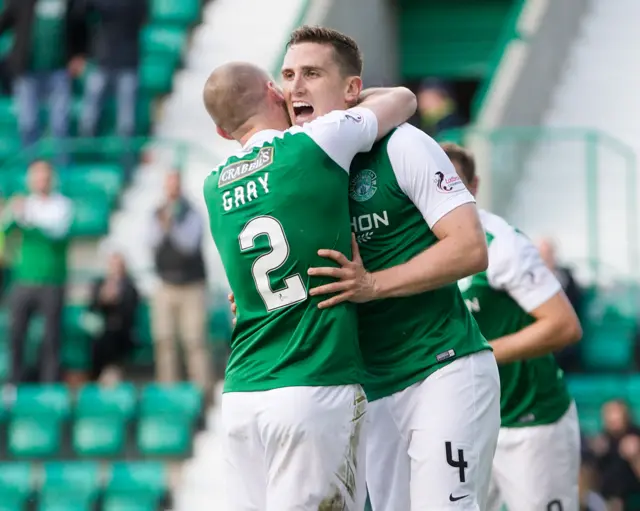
(392, 107)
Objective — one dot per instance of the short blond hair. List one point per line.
(234, 93)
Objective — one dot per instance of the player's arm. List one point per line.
(429, 179)
(344, 133)
(516, 267)
(391, 106)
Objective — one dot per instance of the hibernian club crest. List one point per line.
(363, 185)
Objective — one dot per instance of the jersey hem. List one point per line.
(253, 387)
(422, 375)
(543, 422)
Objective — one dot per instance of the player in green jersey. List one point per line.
(432, 379)
(293, 409)
(521, 308)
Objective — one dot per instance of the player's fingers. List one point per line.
(328, 271)
(334, 287)
(234, 321)
(338, 257)
(335, 300)
(355, 249)
(231, 298)
(234, 308)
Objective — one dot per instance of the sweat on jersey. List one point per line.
(517, 281)
(271, 207)
(398, 192)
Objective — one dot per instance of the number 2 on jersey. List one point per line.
(293, 290)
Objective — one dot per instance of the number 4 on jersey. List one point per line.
(294, 290)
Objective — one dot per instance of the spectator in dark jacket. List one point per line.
(116, 52)
(113, 306)
(50, 39)
(617, 450)
(568, 358)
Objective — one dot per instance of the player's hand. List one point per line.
(234, 308)
(355, 283)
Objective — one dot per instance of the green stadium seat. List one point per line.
(608, 347)
(633, 389)
(35, 437)
(102, 418)
(135, 486)
(156, 74)
(9, 147)
(99, 436)
(15, 485)
(220, 326)
(37, 417)
(94, 179)
(593, 390)
(180, 399)
(130, 503)
(8, 123)
(183, 12)
(97, 401)
(34, 400)
(165, 436)
(91, 216)
(166, 41)
(69, 486)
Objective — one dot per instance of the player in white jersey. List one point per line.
(435, 416)
(292, 410)
(521, 309)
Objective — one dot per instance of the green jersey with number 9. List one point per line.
(271, 208)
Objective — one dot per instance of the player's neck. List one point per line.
(257, 125)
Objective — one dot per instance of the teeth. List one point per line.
(300, 104)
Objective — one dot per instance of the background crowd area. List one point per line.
(113, 340)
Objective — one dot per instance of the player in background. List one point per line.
(293, 408)
(521, 308)
(432, 380)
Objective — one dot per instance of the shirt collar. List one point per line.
(260, 138)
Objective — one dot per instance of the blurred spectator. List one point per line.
(569, 358)
(48, 49)
(43, 220)
(437, 108)
(617, 450)
(180, 302)
(111, 318)
(116, 51)
(590, 500)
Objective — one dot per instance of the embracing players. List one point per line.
(293, 409)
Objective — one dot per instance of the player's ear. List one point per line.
(275, 91)
(223, 133)
(353, 90)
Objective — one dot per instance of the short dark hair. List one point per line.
(465, 160)
(346, 50)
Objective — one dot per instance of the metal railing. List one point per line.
(577, 184)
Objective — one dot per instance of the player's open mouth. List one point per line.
(302, 111)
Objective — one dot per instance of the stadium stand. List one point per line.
(144, 446)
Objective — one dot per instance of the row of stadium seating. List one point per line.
(83, 486)
(95, 181)
(76, 346)
(48, 421)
